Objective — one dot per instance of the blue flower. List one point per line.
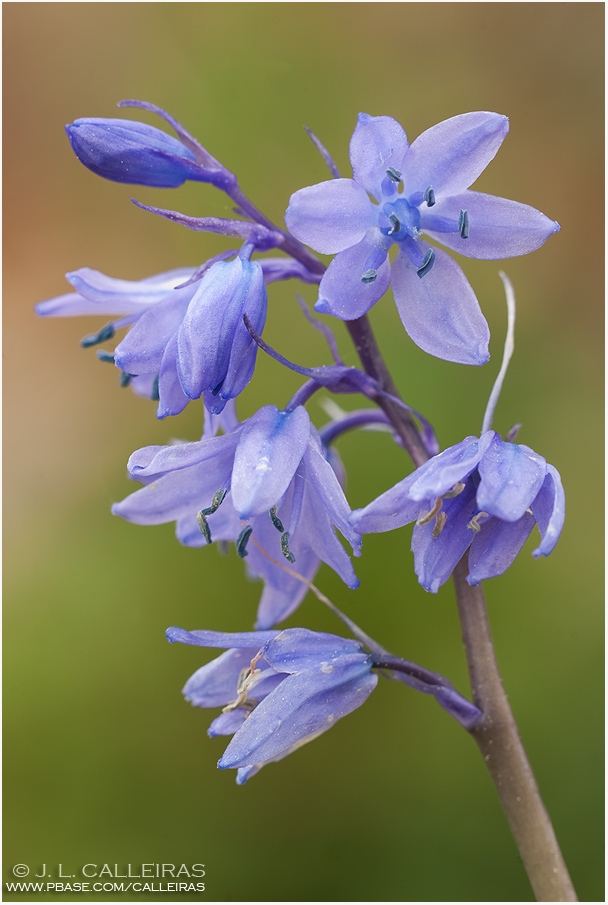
(484, 494)
(187, 337)
(436, 304)
(279, 690)
(266, 485)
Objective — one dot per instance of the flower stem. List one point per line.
(496, 735)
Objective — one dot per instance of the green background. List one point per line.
(104, 761)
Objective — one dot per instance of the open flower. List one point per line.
(278, 690)
(484, 494)
(267, 486)
(436, 304)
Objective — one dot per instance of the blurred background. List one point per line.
(104, 761)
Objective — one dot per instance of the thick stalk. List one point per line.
(497, 735)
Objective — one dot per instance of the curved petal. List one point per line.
(435, 558)
(549, 510)
(498, 228)
(451, 155)
(439, 310)
(270, 448)
(377, 143)
(243, 349)
(215, 683)
(441, 473)
(204, 638)
(497, 546)
(330, 216)
(342, 293)
(171, 398)
(331, 496)
(142, 349)
(297, 649)
(155, 461)
(510, 480)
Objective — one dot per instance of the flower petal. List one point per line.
(330, 216)
(435, 558)
(510, 479)
(142, 349)
(215, 683)
(342, 292)
(496, 547)
(451, 155)
(298, 649)
(270, 448)
(441, 473)
(172, 399)
(204, 638)
(498, 228)
(439, 310)
(377, 143)
(549, 510)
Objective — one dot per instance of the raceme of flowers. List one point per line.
(418, 189)
(272, 484)
(484, 494)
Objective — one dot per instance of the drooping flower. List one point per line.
(279, 690)
(187, 335)
(484, 494)
(436, 304)
(266, 485)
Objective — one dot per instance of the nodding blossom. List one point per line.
(418, 190)
(278, 690)
(267, 486)
(483, 495)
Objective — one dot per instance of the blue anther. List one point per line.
(241, 542)
(102, 355)
(463, 224)
(395, 224)
(427, 263)
(204, 527)
(155, 393)
(218, 498)
(215, 391)
(285, 548)
(93, 339)
(276, 521)
(393, 174)
(125, 379)
(369, 276)
(429, 196)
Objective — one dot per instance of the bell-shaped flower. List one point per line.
(268, 486)
(483, 495)
(187, 335)
(278, 690)
(418, 190)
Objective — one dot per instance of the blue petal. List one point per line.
(215, 684)
(172, 399)
(142, 349)
(252, 301)
(496, 547)
(498, 228)
(549, 510)
(203, 638)
(270, 449)
(441, 473)
(298, 649)
(435, 558)
(451, 155)
(342, 292)
(377, 143)
(228, 723)
(330, 216)
(510, 479)
(325, 482)
(439, 310)
(155, 461)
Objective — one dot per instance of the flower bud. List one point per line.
(126, 151)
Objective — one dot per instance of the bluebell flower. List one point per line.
(436, 304)
(267, 486)
(483, 495)
(187, 335)
(279, 690)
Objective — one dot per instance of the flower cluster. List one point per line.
(272, 484)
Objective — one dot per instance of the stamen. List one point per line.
(276, 521)
(125, 379)
(395, 224)
(285, 547)
(457, 489)
(425, 519)
(463, 224)
(93, 339)
(439, 524)
(218, 499)
(217, 388)
(102, 355)
(393, 174)
(427, 263)
(369, 276)
(474, 523)
(429, 196)
(241, 542)
(204, 526)
(155, 393)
